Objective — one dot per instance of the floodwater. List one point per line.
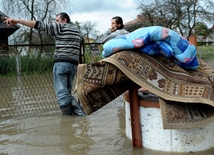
(101, 133)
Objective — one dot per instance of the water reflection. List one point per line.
(102, 133)
(99, 133)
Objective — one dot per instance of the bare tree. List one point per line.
(89, 31)
(43, 10)
(179, 15)
(88, 28)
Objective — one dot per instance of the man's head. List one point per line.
(116, 23)
(62, 18)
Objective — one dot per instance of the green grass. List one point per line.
(7, 65)
(205, 52)
(29, 65)
(39, 64)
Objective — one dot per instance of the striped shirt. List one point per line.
(67, 38)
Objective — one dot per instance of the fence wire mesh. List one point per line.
(26, 82)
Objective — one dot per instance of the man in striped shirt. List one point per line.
(66, 57)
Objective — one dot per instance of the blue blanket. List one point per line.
(156, 40)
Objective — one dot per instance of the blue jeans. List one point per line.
(63, 75)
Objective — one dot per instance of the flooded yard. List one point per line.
(38, 128)
(102, 133)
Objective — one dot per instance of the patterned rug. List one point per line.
(186, 96)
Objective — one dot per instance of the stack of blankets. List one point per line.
(156, 40)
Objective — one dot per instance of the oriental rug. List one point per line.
(186, 96)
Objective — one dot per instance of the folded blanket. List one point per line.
(156, 40)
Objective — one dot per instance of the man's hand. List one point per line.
(12, 22)
(9, 21)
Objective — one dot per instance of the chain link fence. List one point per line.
(26, 82)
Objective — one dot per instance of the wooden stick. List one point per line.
(135, 116)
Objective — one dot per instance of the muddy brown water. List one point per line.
(101, 133)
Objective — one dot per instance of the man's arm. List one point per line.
(12, 22)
